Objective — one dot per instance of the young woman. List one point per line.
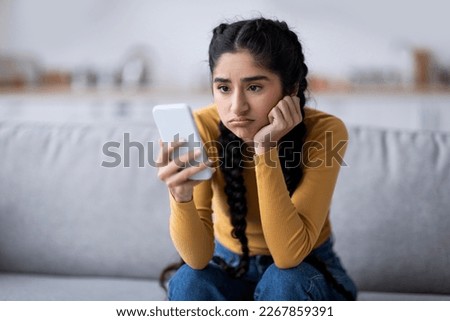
(276, 163)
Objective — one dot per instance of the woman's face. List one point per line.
(244, 93)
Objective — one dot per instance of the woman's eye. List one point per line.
(254, 88)
(223, 89)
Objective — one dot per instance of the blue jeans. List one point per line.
(263, 280)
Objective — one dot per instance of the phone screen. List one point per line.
(176, 123)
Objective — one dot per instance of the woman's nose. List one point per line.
(239, 103)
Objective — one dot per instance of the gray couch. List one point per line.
(72, 229)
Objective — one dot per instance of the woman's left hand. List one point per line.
(282, 118)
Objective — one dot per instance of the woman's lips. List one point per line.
(240, 121)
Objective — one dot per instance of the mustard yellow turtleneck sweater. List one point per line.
(287, 228)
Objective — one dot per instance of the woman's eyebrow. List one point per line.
(254, 78)
(218, 79)
(245, 79)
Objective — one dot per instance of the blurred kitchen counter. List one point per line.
(139, 93)
(158, 96)
(385, 107)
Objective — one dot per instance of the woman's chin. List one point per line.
(245, 136)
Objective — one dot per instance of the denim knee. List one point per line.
(188, 284)
(294, 284)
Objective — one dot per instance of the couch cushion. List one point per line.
(22, 287)
(392, 296)
(391, 210)
(62, 212)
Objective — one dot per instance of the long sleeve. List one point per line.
(292, 225)
(191, 227)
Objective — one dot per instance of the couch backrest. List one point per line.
(391, 210)
(62, 212)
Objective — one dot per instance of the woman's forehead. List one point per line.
(240, 64)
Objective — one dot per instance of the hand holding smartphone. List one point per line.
(176, 123)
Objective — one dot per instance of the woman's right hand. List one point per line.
(174, 172)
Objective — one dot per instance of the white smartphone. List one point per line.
(175, 123)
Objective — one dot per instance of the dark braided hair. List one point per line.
(276, 48)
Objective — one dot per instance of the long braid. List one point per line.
(292, 142)
(235, 190)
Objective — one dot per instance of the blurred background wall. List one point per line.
(372, 63)
(345, 39)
